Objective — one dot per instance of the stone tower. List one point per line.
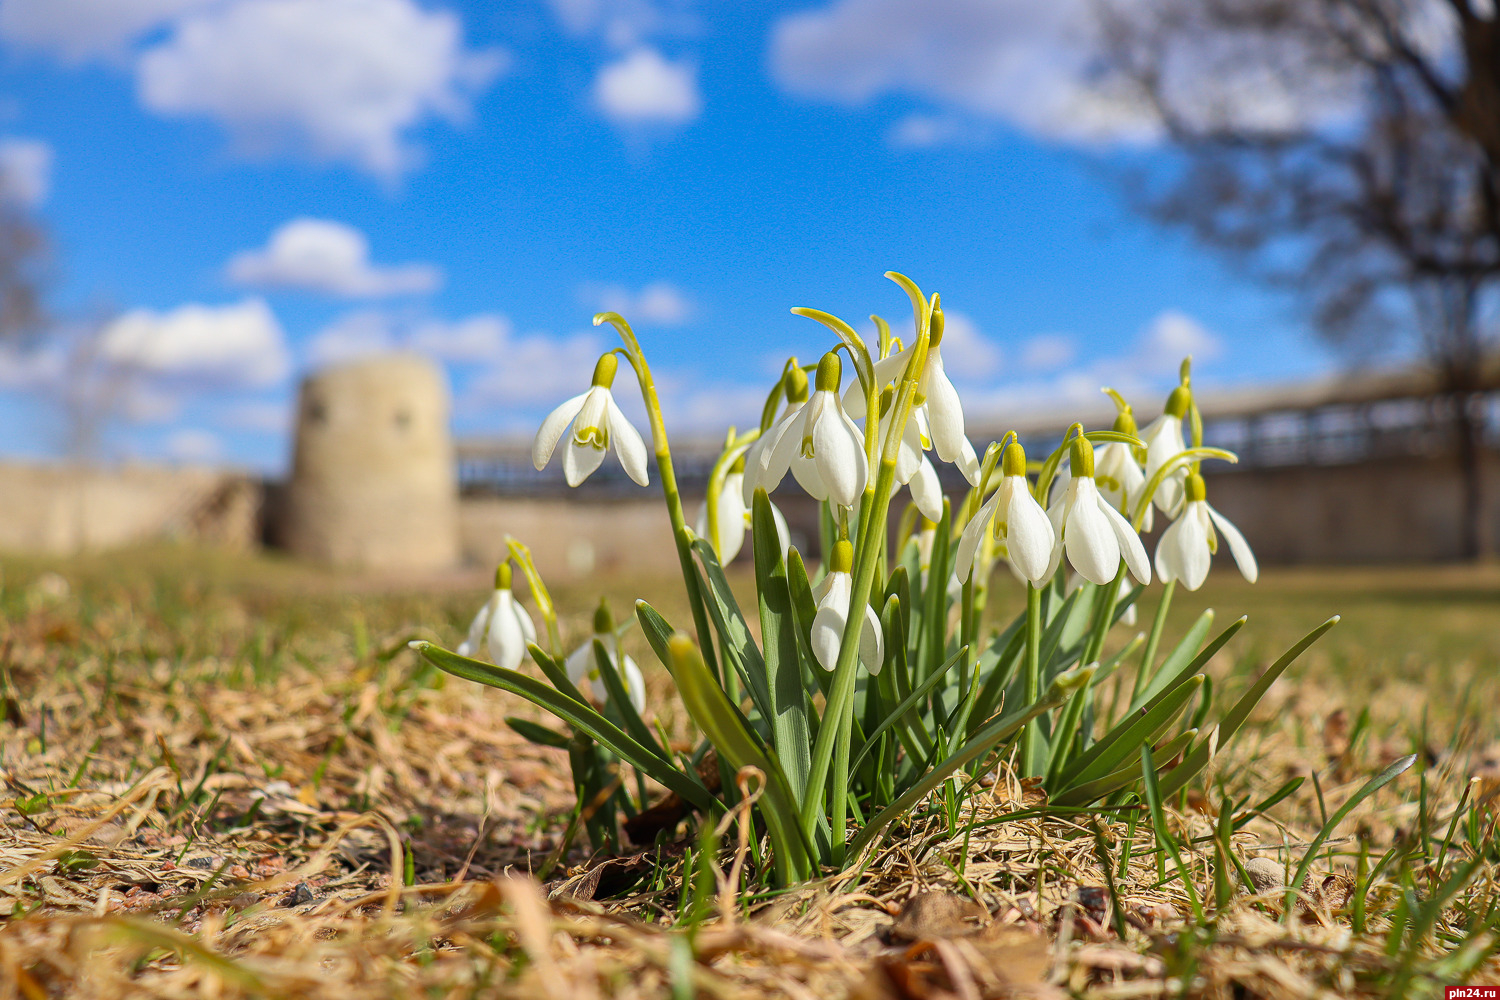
(373, 481)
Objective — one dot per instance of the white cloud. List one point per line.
(1172, 335)
(353, 335)
(337, 79)
(923, 131)
(967, 353)
(80, 29)
(194, 446)
(645, 89)
(538, 369)
(478, 339)
(323, 256)
(236, 344)
(25, 171)
(1048, 351)
(623, 24)
(1034, 65)
(473, 340)
(659, 303)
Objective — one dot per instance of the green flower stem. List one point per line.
(1106, 617)
(1193, 455)
(539, 593)
(1148, 657)
(1031, 737)
(832, 746)
(680, 533)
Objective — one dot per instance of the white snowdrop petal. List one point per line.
(477, 628)
(871, 642)
(927, 491)
(945, 413)
(973, 534)
(1130, 545)
(777, 456)
(968, 463)
(507, 641)
(627, 441)
(635, 685)
(1089, 538)
(1238, 547)
(1029, 535)
(552, 430)
(827, 635)
(580, 461)
(840, 458)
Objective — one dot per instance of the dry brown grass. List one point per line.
(229, 779)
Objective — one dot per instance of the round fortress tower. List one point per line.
(373, 481)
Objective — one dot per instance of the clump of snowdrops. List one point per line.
(879, 685)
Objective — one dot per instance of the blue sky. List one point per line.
(252, 188)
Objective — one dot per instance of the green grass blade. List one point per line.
(620, 699)
(573, 712)
(1092, 791)
(1184, 653)
(789, 708)
(735, 633)
(981, 743)
(1375, 784)
(1124, 739)
(908, 703)
(1223, 734)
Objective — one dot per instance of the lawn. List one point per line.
(228, 776)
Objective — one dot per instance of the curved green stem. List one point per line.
(680, 532)
(1167, 468)
(539, 593)
(832, 745)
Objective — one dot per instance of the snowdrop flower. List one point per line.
(1163, 438)
(733, 515)
(504, 623)
(819, 443)
(833, 593)
(1092, 532)
(760, 451)
(912, 466)
(596, 421)
(1117, 470)
(1029, 535)
(581, 663)
(1188, 544)
(944, 413)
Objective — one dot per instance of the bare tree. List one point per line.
(23, 260)
(1348, 150)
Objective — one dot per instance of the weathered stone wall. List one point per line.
(62, 509)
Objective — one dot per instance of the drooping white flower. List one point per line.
(732, 516)
(503, 623)
(1188, 544)
(1121, 480)
(1013, 511)
(582, 664)
(597, 422)
(1164, 441)
(759, 453)
(944, 413)
(1094, 534)
(821, 446)
(833, 594)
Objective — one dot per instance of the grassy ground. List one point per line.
(227, 776)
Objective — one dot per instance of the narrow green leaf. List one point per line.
(573, 712)
(1084, 793)
(537, 733)
(909, 703)
(1184, 652)
(1226, 730)
(981, 743)
(711, 710)
(1123, 739)
(1375, 784)
(789, 708)
(620, 699)
(738, 642)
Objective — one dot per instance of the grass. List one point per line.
(227, 776)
